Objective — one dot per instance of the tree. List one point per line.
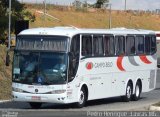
(99, 3)
(77, 4)
(18, 13)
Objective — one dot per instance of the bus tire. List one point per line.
(82, 98)
(137, 93)
(128, 95)
(35, 105)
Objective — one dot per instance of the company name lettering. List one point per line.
(102, 64)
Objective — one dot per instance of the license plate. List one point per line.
(36, 98)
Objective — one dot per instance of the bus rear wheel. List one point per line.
(128, 95)
(35, 105)
(82, 98)
(137, 93)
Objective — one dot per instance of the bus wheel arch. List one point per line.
(82, 96)
(128, 92)
(86, 89)
(138, 90)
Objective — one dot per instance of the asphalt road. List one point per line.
(110, 104)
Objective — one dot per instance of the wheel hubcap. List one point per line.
(81, 99)
(129, 91)
(137, 91)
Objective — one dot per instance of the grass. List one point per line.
(5, 90)
(96, 19)
(5, 75)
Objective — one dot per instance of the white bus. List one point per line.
(70, 65)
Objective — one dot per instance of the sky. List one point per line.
(116, 4)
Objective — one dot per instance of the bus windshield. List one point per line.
(44, 68)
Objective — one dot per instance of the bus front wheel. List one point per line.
(82, 98)
(35, 105)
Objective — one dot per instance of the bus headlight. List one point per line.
(17, 90)
(58, 91)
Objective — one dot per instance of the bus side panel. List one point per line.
(108, 76)
(141, 67)
(100, 86)
(97, 76)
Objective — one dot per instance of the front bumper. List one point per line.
(29, 97)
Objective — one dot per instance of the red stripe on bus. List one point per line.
(119, 63)
(157, 35)
(144, 59)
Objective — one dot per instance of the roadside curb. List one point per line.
(154, 108)
(3, 101)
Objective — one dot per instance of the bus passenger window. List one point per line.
(75, 46)
(109, 45)
(130, 45)
(153, 44)
(140, 45)
(98, 45)
(120, 45)
(87, 45)
(147, 44)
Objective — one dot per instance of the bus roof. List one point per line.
(71, 31)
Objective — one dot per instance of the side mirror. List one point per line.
(7, 59)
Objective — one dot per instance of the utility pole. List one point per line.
(44, 12)
(87, 4)
(110, 15)
(125, 6)
(9, 25)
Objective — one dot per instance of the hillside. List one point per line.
(94, 18)
(5, 75)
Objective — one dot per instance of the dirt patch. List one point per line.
(157, 104)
